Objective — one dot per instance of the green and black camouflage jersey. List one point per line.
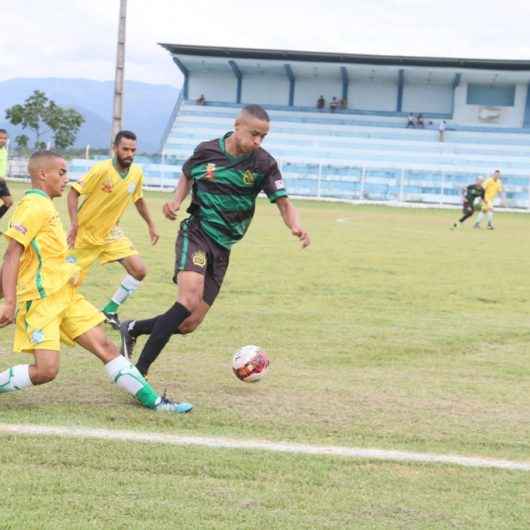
(225, 188)
(473, 191)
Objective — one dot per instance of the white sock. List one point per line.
(15, 378)
(490, 218)
(128, 285)
(479, 218)
(127, 376)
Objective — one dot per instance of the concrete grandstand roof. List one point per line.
(345, 58)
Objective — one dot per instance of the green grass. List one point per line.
(390, 331)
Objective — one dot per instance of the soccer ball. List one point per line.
(477, 203)
(250, 364)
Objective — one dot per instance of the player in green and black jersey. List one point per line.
(471, 194)
(225, 177)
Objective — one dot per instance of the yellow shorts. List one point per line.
(112, 250)
(487, 205)
(60, 317)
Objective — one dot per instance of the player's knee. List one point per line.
(44, 374)
(139, 272)
(107, 350)
(191, 300)
(8, 202)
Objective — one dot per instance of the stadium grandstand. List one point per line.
(358, 146)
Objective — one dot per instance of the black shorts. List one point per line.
(195, 251)
(4, 190)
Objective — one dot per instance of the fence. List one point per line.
(366, 181)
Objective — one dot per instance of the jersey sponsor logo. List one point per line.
(210, 172)
(131, 188)
(279, 184)
(20, 228)
(199, 259)
(107, 186)
(249, 178)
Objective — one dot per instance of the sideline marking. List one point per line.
(227, 443)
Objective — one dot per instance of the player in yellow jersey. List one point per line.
(492, 187)
(39, 289)
(95, 235)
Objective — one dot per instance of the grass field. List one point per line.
(390, 331)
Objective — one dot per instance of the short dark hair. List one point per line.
(257, 111)
(3, 131)
(124, 134)
(37, 158)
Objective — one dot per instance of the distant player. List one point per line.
(39, 288)
(492, 187)
(95, 235)
(472, 194)
(226, 176)
(5, 195)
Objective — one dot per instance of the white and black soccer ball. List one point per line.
(250, 364)
(477, 203)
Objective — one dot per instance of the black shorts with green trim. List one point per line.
(195, 251)
(4, 190)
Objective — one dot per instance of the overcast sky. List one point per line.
(77, 38)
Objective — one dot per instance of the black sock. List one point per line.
(164, 326)
(143, 327)
(465, 216)
(3, 210)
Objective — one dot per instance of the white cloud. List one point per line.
(75, 38)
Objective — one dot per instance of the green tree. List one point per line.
(47, 120)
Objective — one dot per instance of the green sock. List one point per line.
(111, 308)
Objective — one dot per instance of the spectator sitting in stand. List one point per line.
(333, 104)
(201, 100)
(343, 103)
(419, 121)
(410, 121)
(321, 103)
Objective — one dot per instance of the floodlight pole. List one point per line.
(117, 107)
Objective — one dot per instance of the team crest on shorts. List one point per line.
(248, 177)
(199, 259)
(210, 171)
(37, 336)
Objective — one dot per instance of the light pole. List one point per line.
(117, 107)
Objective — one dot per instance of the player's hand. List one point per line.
(7, 314)
(170, 210)
(153, 235)
(302, 235)
(72, 234)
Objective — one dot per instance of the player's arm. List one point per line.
(72, 201)
(9, 282)
(182, 190)
(290, 217)
(141, 206)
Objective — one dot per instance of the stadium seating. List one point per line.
(369, 156)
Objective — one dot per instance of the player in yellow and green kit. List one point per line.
(39, 289)
(492, 187)
(95, 235)
(5, 195)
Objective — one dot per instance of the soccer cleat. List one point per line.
(168, 405)
(127, 340)
(490, 227)
(113, 320)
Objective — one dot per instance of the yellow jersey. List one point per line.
(36, 225)
(491, 188)
(108, 193)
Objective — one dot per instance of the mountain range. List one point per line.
(147, 107)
